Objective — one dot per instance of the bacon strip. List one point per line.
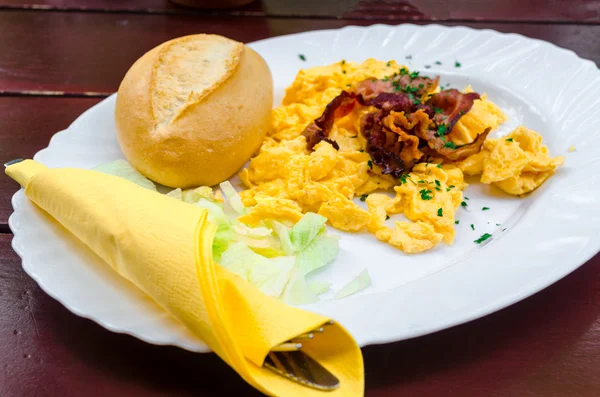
(319, 129)
(453, 104)
(417, 86)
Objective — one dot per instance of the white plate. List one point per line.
(548, 234)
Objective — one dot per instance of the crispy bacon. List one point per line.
(452, 104)
(416, 86)
(402, 131)
(319, 129)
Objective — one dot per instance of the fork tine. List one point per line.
(287, 347)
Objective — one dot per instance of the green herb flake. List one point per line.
(457, 64)
(482, 238)
(456, 222)
(348, 85)
(463, 204)
(302, 57)
(472, 226)
(439, 166)
(364, 197)
(442, 130)
(509, 140)
(426, 194)
(370, 164)
(361, 150)
(450, 145)
(497, 224)
(343, 61)
(388, 64)
(437, 183)
(403, 71)
(440, 212)
(421, 181)
(403, 178)
(437, 110)
(343, 71)
(373, 80)
(466, 198)
(485, 208)
(414, 75)
(438, 189)
(438, 63)
(387, 217)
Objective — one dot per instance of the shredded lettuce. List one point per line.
(297, 292)
(275, 256)
(233, 198)
(176, 194)
(308, 227)
(319, 287)
(270, 275)
(363, 280)
(321, 251)
(123, 169)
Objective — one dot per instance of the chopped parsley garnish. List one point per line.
(440, 212)
(403, 178)
(450, 145)
(447, 189)
(472, 226)
(427, 66)
(343, 71)
(439, 166)
(497, 224)
(463, 204)
(437, 110)
(437, 183)
(370, 164)
(438, 63)
(466, 198)
(482, 238)
(438, 189)
(456, 222)
(457, 64)
(485, 208)
(388, 64)
(403, 71)
(348, 85)
(361, 150)
(373, 80)
(421, 85)
(451, 186)
(343, 61)
(442, 130)
(302, 57)
(387, 217)
(386, 78)
(426, 194)
(414, 75)
(509, 140)
(364, 197)
(504, 229)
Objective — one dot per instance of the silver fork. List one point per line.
(289, 361)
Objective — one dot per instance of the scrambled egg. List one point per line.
(517, 163)
(286, 180)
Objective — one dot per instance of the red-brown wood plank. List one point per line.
(26, 125)
(583, 11)
(90, 52)
(544, 346)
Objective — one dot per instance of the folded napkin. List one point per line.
(164, 247)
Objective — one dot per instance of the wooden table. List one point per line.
(60, 57)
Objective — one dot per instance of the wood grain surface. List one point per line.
(26, 125)
(89, 53)
(544, 346)
(558, 11)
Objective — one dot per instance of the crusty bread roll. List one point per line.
(193, 110)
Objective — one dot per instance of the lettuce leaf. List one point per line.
(319, 287)
(176, 194)
(307, 228)
(270, 275)
(233, 198)
(363, 280)
(123, 169)
(321, 251)
(297, 292)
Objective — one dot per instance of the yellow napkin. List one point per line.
(163, 246)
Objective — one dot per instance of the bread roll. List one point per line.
(193, 110)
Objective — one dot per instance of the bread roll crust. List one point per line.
(201, 137)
